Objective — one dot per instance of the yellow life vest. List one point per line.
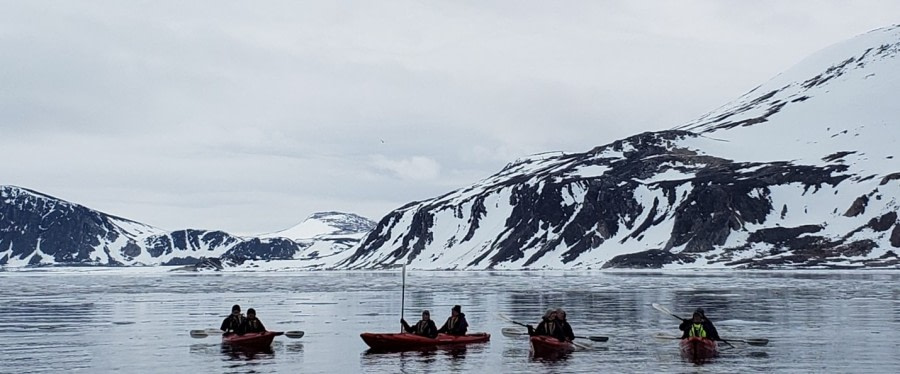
(697, 330)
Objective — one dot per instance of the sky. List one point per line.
(248, 117)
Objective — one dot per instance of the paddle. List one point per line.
(199, 334)
(403, 299)
(512, 332)
(592, 338)
(746, 341)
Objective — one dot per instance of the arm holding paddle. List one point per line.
(405, 326)
(711, 331)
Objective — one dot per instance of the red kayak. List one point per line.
(252, 339)
(542, 345)
(406, 341)
(698, 349)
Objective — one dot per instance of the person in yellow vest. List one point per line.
(425, 327)
(456, 324)
(698, 326)
(251, 323)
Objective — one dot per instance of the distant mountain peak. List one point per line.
(322, 224)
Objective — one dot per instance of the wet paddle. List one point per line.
(205, 333)
(592, 338)
(758, 342)
(403, 299)
(512, 332)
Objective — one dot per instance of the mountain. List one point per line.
(324, 225)
(325, 237)
(37, 229)
(800, 172)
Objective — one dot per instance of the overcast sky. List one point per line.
(249, 116)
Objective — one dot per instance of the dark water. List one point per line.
(137, 321)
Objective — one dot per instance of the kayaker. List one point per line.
(425, 327)
(548, 326)
(565, 329)
(456, 324)
(699, 326)
(251, 323)
(232, 323)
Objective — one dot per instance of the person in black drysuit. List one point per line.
(234, 321)
(549, 326)
(425, 327)
(700, 326)
(565, 329)
(456, 324)
(251, 323)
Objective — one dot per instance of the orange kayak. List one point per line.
(404, 341)
(252, 339)
(698, 349)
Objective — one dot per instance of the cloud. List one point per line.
(248, 117)
(415, 168)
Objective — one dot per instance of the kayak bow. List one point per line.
(698, 349)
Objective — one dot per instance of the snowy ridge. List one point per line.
(40, 230)
(799, 172)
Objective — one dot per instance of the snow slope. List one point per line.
(799, 172)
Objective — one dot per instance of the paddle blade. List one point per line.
(664, 310)
(661, 308)
(757, 341)
(199, 334)
(512, 332)
(507, 319)
(294, 334)
(598, 338)
(666, 336)
(582, 346)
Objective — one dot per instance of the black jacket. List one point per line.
(711, 332)
(422, 328)
(455, 325)
(550, 328)
(251, 325)
(565, 330)
(233, 323)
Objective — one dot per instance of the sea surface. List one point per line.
(137, 320)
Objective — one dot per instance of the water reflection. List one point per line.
(242, 353)
(294, 348)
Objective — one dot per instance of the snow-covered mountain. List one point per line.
(802, 171)
(325, 224)
(325, 237)
(37, 229)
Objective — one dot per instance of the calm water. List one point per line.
(137, 321)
